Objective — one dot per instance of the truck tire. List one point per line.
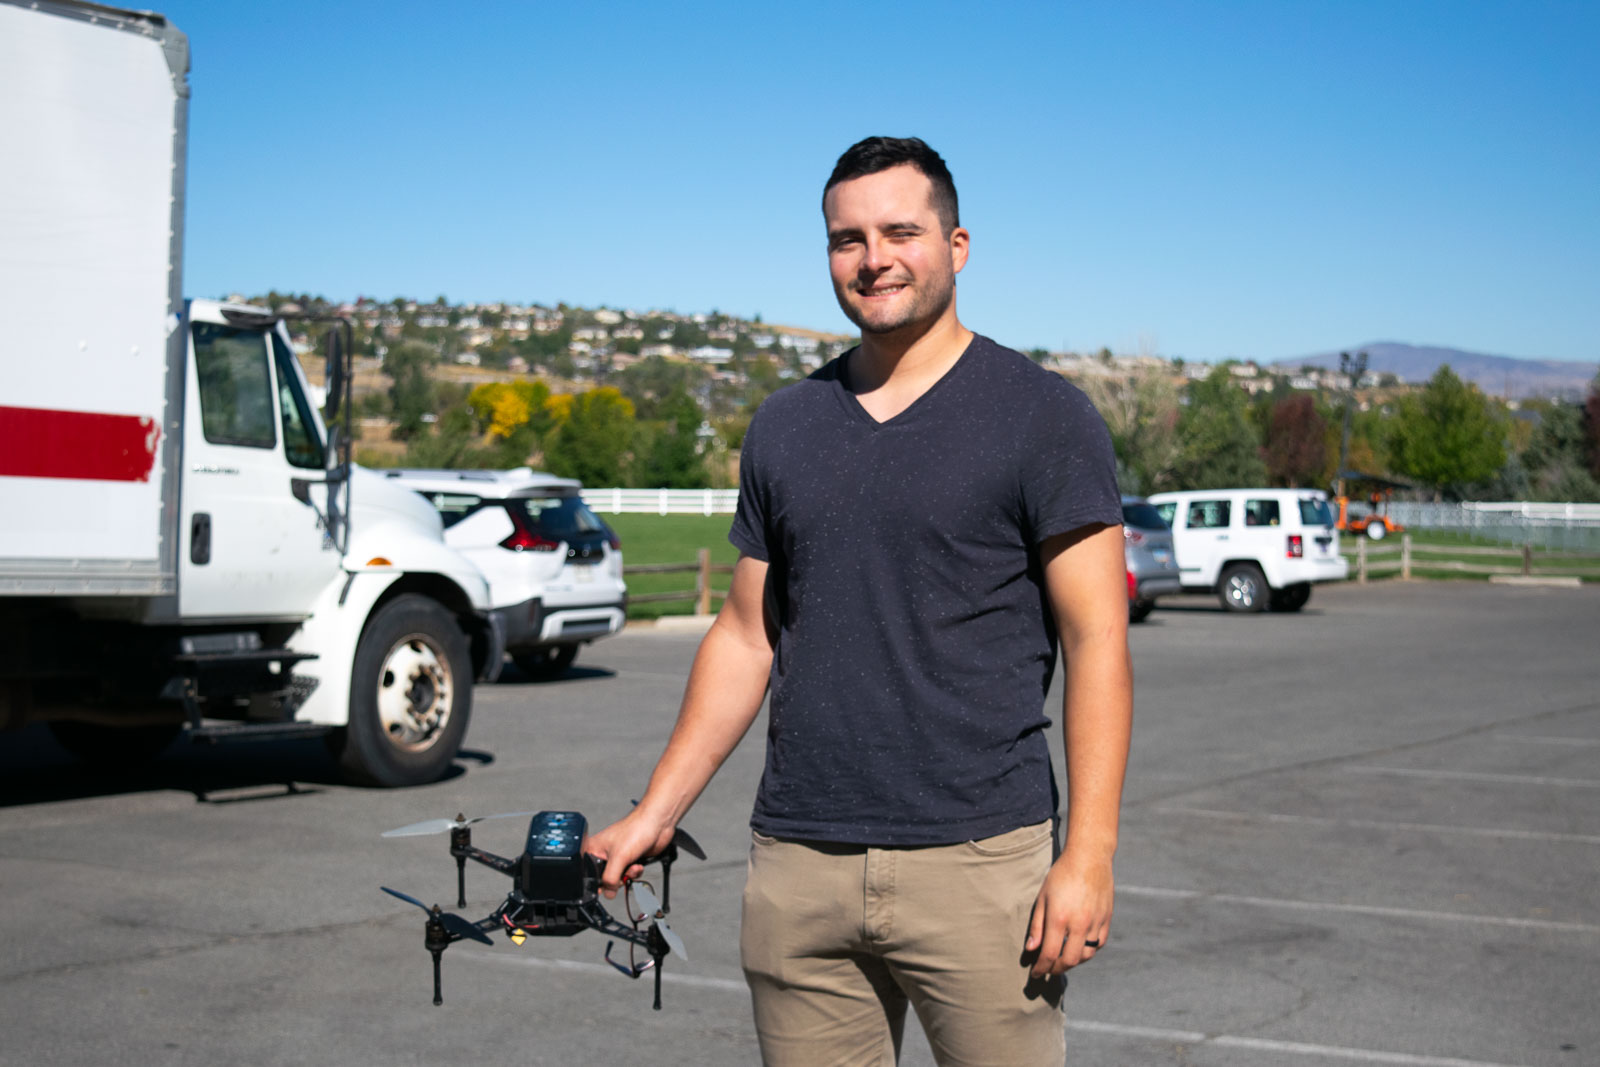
(410, 695)
(1243, 588)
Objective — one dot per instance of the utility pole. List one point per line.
(1352, 367)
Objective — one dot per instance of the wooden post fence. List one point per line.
(1405, 555)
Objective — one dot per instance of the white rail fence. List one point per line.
(1569, 527)
(662, 501)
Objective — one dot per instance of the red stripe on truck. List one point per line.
(41, 443)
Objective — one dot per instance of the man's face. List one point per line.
(893, 267)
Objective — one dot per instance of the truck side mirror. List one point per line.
(334, 378)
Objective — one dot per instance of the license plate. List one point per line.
(1161, 555)
(584, 574)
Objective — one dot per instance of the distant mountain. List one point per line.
(1505, 376)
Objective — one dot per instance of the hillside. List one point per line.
(1504, 376)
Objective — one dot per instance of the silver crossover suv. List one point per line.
(1147, 549)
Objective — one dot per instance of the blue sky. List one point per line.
(1206, 180)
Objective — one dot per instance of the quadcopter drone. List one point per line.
(555, 892)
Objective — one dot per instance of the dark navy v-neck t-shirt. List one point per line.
(915, 639)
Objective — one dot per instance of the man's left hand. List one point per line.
(1072, 914)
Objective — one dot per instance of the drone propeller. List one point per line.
(451, 922)
(439, 826)
(652, 908)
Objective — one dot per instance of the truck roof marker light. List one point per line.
(379, 561)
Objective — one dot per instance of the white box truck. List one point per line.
(184, 543)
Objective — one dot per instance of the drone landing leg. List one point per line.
(657, 1004)
(436, 940)
(461, 881)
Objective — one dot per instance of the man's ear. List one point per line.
(960, 242)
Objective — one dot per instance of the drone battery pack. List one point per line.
(553, 863)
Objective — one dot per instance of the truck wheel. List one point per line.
(1377, 530)
(1243, 588)
(542, 663)
(1291, 597)
(107, 746)
(410, 695)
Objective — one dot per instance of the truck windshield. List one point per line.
(301, 445)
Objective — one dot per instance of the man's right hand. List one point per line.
(626, 842)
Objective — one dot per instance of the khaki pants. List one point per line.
(837, 939)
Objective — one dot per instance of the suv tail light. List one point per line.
(1132, 536)
(1133, 587)
(613, 540)
(522, 540)
(1297, 546)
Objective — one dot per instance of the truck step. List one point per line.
(215, 732)
(242, 658)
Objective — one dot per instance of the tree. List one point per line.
(667, 452)
(1142, 415)
(591, 437)
(1218, 445)
(1448, 436)
(411, 395)
(1591, 426)
(1297, 450)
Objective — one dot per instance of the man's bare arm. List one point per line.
(726, 686)
(1085, 574)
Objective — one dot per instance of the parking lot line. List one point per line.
(1086, 1026)
(1481, 776)
(1380, 824)
(1539, 739)
(1162, 893)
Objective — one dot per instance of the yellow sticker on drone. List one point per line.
(518, 935)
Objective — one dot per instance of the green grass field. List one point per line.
(671, 539)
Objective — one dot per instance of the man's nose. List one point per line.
(877, 258)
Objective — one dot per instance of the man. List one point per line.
(917, 522)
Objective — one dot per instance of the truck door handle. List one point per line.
(1222, 537)
(200, 538)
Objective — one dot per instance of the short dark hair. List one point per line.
(874, 154)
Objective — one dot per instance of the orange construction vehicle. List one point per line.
(1375, 522)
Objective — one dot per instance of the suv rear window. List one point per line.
(1144, 516)
(561, 518)
(1314, 511)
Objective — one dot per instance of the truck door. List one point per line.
(250, 548)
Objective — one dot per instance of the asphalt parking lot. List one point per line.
(1367, 833)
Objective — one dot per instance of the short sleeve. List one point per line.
(749, 531)
(1069, 469)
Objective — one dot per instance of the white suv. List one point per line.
(554, 567)
(1253, 547)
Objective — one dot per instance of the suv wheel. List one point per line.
(1243, 588)
(543, 663)
(1291, 597)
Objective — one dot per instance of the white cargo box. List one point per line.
(91, 206)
